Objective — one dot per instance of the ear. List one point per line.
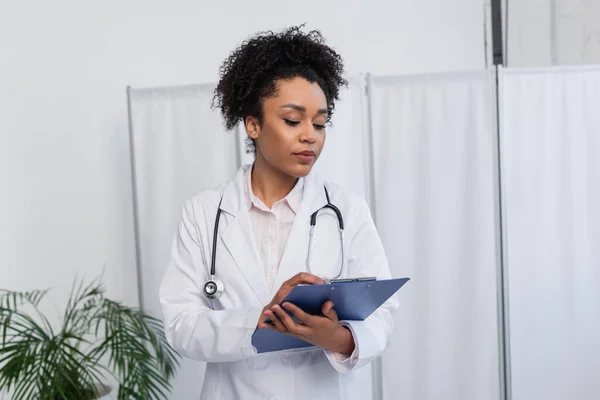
(252, 127)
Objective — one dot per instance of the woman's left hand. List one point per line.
(322, 331)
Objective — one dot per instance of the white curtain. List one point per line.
(422, 151)
(435, 204)
(179, 147)
(550, 125)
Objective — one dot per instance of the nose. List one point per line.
(309, 134)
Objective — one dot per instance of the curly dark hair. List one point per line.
(250, 73)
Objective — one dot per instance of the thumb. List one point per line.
(328, 311)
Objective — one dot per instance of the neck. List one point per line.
(269, 184)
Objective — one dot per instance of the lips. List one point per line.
(306, 153)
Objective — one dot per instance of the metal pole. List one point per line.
(371, 146)
(138, 251)
(502, 271)
(376, 365)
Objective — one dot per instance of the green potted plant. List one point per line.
(97, 339)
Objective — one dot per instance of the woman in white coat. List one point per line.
(283, 88)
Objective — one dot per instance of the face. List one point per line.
(292, 133)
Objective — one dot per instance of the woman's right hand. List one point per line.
(285, 289)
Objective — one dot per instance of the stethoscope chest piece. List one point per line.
(213, 289)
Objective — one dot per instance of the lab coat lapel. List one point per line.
(295, 253)
(239, 239)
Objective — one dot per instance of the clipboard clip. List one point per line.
(346, 280)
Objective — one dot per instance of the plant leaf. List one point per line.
(11, 300)
(36, 363)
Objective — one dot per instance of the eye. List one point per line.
(319, 127)
(290, 122)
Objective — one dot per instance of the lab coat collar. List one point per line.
(309, 195)
(233, 197)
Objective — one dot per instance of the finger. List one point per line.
(285, 318)
(328, 311)
(304, 277)
(300, 278)
(289, 323)
(280, 326)
(265, 325)
(271, 327)
(298, 313)
(327, 306)
(262, 322)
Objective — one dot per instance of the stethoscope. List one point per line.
(214, 288)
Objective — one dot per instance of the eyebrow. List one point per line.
(301, 108)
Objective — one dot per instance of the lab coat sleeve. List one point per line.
(343, 362)
(366, 257)
(192, 327)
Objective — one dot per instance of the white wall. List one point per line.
(552, 32)
(65, 192)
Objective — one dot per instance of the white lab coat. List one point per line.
(220, 331)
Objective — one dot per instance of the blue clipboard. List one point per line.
(353, 301)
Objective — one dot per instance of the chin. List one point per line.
(300, 170)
